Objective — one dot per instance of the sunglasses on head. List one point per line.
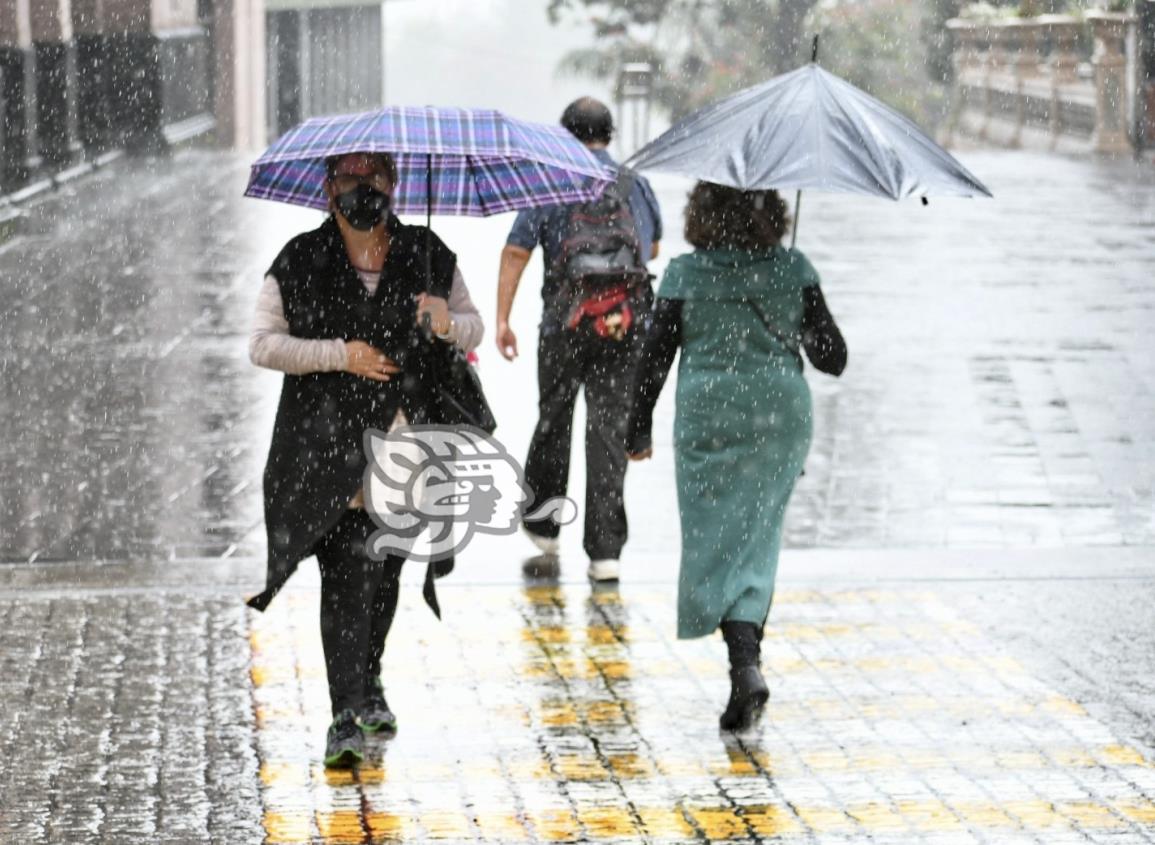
(377, 180)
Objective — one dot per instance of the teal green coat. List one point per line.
(742, 427)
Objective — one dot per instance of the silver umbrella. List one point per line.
(808, 129)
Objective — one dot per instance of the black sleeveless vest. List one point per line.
(316, 461)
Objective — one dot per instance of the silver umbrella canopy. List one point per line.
(808, 129)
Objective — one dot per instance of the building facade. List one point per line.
(324, 57)
(81, 77)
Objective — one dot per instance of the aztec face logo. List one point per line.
(422, 481)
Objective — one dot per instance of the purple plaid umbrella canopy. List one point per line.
(450, 161)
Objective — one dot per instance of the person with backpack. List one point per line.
(596, 302)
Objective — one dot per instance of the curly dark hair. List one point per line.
(718, 217)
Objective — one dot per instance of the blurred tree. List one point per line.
(890, 48)
(898, 50)
(937, 39)
(700, 49)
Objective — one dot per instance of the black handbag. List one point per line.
(459, 393)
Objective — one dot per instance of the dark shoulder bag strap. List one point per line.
(789, 341)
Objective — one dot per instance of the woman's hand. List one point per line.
(643, 455)
(368, 361)
(437, 309)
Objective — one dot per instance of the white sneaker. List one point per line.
(545, 545)
(606, 569)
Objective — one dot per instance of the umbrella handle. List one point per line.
(428, 221)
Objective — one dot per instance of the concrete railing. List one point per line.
(1025, 80)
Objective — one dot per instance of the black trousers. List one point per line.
(358, 603)
(567, 361)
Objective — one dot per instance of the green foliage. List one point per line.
(879, 46)
(700, 49)
(898, 50)
(936, 39)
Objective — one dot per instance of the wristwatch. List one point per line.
(450, 332)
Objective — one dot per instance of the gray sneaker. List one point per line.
(345, 742)
(375, 714)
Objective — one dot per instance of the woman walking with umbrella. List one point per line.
(359, 315)
(339, 313)
(739, 307)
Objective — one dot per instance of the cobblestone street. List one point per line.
(961, 650)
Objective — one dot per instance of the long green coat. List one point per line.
(742, 427)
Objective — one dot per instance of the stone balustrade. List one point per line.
(1026, 78)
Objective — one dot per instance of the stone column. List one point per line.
(134, 77)
(1064, 59)
(1025, 63)
(239, 34)
(15, 47)
(967, 62)
(52, 47)
(1028, 59)
(92, 87)
(998, 39)
(1110, 65)
(1063, 65)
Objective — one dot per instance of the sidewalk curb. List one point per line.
(179, 136)
(12, 216)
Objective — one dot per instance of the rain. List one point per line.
(577, 421)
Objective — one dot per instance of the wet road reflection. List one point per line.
(553, 714)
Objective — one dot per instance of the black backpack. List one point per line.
(600, 260)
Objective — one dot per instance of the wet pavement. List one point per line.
(904, 711)
(961, 650)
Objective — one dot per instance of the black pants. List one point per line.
(567, 360)
(358, 602)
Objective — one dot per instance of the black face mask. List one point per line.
(364, 207)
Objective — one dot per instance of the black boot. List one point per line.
(748, 690)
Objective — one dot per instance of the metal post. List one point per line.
(1145, 108)
(633, 90)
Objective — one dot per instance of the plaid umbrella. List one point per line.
(450, 161)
